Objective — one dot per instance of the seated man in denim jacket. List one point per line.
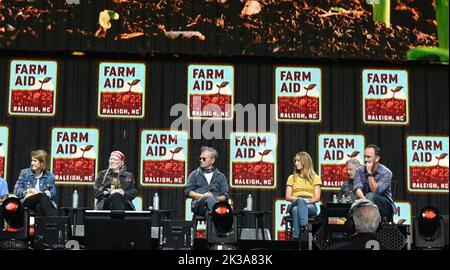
(206, 185)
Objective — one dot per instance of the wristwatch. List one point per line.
(370, 174)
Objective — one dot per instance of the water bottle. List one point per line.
(156, 202)
(230, 202)
(249, 202)
(343, 199)
(335, 199)
(75, 199)
(349, 198)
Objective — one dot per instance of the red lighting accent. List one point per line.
(11, 207)
(11, 229)
(222, 210)
(429, 214)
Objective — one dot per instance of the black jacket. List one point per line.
(102, 187)
(361, 241)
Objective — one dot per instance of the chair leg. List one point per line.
(288, 230)
(260, 227)
(285, 230)
(195, 221)
(291, 231)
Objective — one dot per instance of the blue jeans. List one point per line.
(385, 207)
(300, 211)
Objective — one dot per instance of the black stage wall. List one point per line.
(254, 80)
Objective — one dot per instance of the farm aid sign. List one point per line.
(4, 137)
(210, 92)
(74, 155)
(163, 158)
(334, 151)
(121, 90)
(253, 160)
(298, 94)
(281, 207)
(32, 87)
(427, 164)
(385, 96)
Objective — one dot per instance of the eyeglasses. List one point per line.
(202, 159)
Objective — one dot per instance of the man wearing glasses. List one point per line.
(206, 185)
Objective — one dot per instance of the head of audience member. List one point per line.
(365, 216)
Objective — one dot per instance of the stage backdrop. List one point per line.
(383, 30)
(80, 108)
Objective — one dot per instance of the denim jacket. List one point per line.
(197, 183)
(27, 180)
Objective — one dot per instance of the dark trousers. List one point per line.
(41, 204)
(204, 206)
(384, 205)
(116, 202)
